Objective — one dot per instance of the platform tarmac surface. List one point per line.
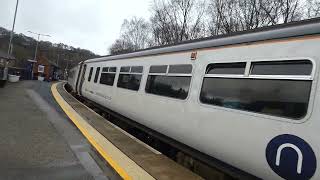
(38, 141)
(131, 158)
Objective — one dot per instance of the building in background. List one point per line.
(44, 69)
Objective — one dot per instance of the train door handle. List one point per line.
(289, 145)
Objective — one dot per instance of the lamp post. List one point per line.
(38, 34)
(11, 34)
(67, 67)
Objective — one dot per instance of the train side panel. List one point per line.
(236, 137)
(73, 77)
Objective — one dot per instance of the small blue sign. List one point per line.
(291, 157)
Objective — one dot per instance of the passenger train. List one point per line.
(249, 99)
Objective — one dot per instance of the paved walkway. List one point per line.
(37, 141)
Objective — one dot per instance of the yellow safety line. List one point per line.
(95, 144)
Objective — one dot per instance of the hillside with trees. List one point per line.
(24, 47)
(174, 21)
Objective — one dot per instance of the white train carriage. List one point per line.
(249, 99)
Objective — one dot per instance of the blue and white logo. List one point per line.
(291, 157)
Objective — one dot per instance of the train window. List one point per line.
(226, 68)
(136, 69)
(97, 75)
(112, 69)
(158, 69)
(299, 67)
(180, 69)
(90, 74)
(130, 80)
(285, 98)
(107, 77)
(170, 86)
(125, 69)
(105, 69)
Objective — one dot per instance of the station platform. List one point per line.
(38, 141)
(129, 157)
(48, 134)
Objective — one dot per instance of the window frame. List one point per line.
(136, 72)
(274, 77)
(167, 69)
(108, 72)
(125, 67)
(129, 73)
(96, 79)
(169, 74)
(89, 78)
(223, 75)
(102, 71)
(283, 62)
(292, 77)
(249, 65)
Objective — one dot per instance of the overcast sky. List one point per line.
(88, 24)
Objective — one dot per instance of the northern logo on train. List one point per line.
(291, 157)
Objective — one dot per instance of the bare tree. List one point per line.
(313, 8)
(173, 21)
(223, 16)
(137, 32)
(228, 16)
(134, 35)
(177, 20)
(121, 46)
(282, 11)
(290, 11)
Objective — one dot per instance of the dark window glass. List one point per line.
(107, 78)
(129, 81)
(226, 68)
(181, 69)
(158, 69)
(136, 69)
(105, 69)
(112, 69)
(170, 86)
(303, 67)
(125, 69)
(285, 98)
(97, 75)
(90, 74)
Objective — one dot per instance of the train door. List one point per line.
(78, 77)
(84, 67)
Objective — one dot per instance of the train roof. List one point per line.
(292, 29)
